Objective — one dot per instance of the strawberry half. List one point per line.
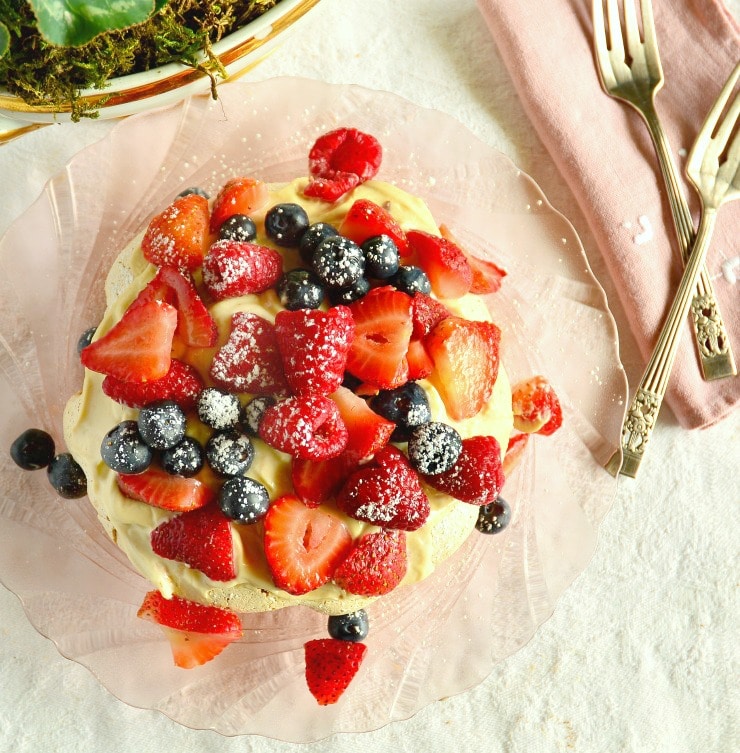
(418, 360)
(197, 633)
(331, 665)
(536, 406)
(444, 262)
(200, 539)
(466, 361)
(137, 348)
(234, 268)
(382, 334)
(426, 312)
(514, 452)
(318, 481)
(178, 236)
(368, 432)
(303, 545)
(160, 489)
(487, 276)
(238, 196)
(181, 383)
(375, 566)
(365, 219)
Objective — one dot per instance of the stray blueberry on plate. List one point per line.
(85, 339)
(434, 447)
(407, 406)
(238, 227)
(339, 262)
(349, 627)
(410, 279)
(218, 409)
(32, 450)
(162, 424)
(300, 289)
(312, 238)
(494, 517)
(186, 458)
(229, 453)
(285, 224)
(243, 499)
(381, 257)
(67, 477)
(252, 412)
(124, 451)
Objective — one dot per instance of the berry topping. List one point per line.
(178, 236)
(487, 276)
(352, 627)
(303, 545)
(314, 345)
(375, 566)
(420, 364)
(159, 489)
(229, 453)
(238, 227)
(426, 312)
(250, 360)
(300, 289)
(251, 414)
(381, 256)
(330, 667)
(124, 451)
(382, 334)
(494, 517)
(366, 219)
(218, 409)
(32, 450)
(411, 279)
(536, 406)
(331, 189)
(318, 481)
(186, 458)
(514, 452)
(407, 406)
(244, 500)
(312, 239)
(85, 339)
(477, 477)
(232, 268)
(66, 476)
(350, 294)
(162, 424)
(338, 262)
(201, 539)
(465, 357)
(285, 224)
(197, 633)
(368, 432)
(137, 348)
(197, 190)
(308, 427)
(238, 196)
(385, 492)
(434, 447)
(444, 262)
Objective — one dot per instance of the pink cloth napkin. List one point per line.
(604, 152)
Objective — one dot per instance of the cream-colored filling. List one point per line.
(91, 414)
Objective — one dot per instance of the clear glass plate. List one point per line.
(438, 638)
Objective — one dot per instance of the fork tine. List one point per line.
(728, 125)
(650, 40)
(606, 74)
(616, 44)
(632, 30)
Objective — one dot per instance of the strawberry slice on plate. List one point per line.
(160, 489)
(444, 262)
(331, 665)
(514, 452)
(366, 219)
(197, 633)
(181, 383)
(238, 196)
(303, 545)
(375, 566)
(367, 431)
(536, 406)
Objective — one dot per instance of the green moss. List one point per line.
(42, 74)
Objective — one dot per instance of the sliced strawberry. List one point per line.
(382, 334)
(249, 361)
(178, 236)
(234, 268)
(385, 492)
(201, 539)
(419, 362)
(477, 476)
(238, 196)
(331, 189)
(444, 262)
(426, 312)
(314, 345)
(318, 481)
(197, 633)
(514, 452)
(138, 347)
(368, 432)
(181, 383)
(160, 489)
(195, 325)
(487, 276)
(303, 545)
(331, 665)
(375, 566)
(345, 150)
(466, 361)
(366, 219)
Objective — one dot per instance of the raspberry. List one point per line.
(233, 268)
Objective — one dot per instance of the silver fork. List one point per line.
(633, 74)
(713, 167)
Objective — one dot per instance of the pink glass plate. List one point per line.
(427, 642)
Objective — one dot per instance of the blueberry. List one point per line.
(381, 257)
(312, 238)
(339, 262)
(193, 189)
(124, 451)
(243, 499)
(300, 289)
(229, 453)
(217, 408)
(32, 450)
(410, 279)
(494, 517)
(162, 424)
(349, 627)
(285, 224)
(85, 339)
(350, 294)
(67, 477)
(238, 227)
(407, 406)
(434, 447)
(186, 458)
(251, 414)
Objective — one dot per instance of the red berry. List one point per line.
(536, 406)
(160, 489)
(368, 432)
(331, 665)
(181, 383)
(426, 312)
(318, 481)
(238, 196)
(419, 362)
(234, 268)
(331, 189)
(375, 566)
(444, 262)
(514, 452)
(365, 219)
(345, 150)
(487, 276)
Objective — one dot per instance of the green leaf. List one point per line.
(4, 39)
(70, 23)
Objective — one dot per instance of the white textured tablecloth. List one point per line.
(641, 652)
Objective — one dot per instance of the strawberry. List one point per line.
(444, 262)
(385, 492)
(365, 219)
(536, 406)
(466, 360)
(234, 268)
(418, 360)
(307, 426)
(238, 196)
(331, 665)
(368, 432)
(314, 345)
(201, 539)
(317, 481)
(303, 545)
(477, 476)
(345, 150)
(514, 452)
(137, 348)
(197, 633)
(160, 489)
(425, 313)
(487, 276)
(178, 236)
(375, 566)
(331, 189)
(181, 383)
(249, 361)
(382, 334)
